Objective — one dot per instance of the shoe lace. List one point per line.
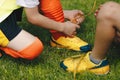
(81, 57)
(76, 68)
(93, 8)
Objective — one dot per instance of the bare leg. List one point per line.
(108, 21)
(24, 45)
(21, 41)
(108, 26)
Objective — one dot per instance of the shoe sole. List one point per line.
(85, 48)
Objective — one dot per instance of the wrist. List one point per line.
(61, 27)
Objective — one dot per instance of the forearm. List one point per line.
(37, 19)
(47, 23)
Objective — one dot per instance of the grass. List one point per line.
(46, 66)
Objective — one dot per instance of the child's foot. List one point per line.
(74, 43)
(80, 63)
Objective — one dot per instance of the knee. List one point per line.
(107, 10)
(29, 53)
(32, 51)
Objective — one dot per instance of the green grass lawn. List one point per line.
(46, 66)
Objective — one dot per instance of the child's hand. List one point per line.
(75, 16)
(69, 28)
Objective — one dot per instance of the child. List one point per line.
(19, 43)
(108, 29)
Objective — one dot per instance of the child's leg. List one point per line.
(17, 42)
(24, 45)
(108, 21)
(22, 40)
(108, 24)
(53, 10)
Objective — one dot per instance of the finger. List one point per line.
(71, 36)
(80, 20)
(74, 33)
(77, 26)
(96, 13)
(80, 12)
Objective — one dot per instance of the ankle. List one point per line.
(94, 60)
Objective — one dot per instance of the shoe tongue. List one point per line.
(87, 58)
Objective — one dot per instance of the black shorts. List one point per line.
(9, 28)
